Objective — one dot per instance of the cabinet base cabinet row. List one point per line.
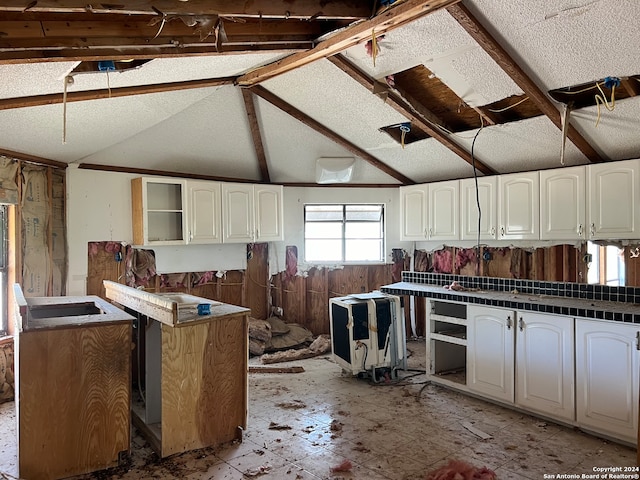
(576, 371)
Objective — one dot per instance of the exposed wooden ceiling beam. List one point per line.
(256, 135)
(318, 127)
(631, 86)
(298, 9)
(51, 99)
(164, 173)
(417, 113)
(490, 45)
(32, 158)
(394, 17)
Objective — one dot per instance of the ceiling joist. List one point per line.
(490, 45)
(417, 113)
(300, 9)
(318, 127)
(52, 99)
(390, 19)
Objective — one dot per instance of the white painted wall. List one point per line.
(99, 209)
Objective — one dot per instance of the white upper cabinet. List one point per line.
(205, 212)
(237, 213)
(613, 190)
(562, 204)
(518, 205)
(269, 212)
(158, 211)
(251, 213)
(444, 212)
(488, 212)
(413, 212)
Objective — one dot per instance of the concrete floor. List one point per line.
(300, 425)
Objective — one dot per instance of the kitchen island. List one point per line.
(195, 369)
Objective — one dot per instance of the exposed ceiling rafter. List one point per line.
(256, 134)
(390, 19)
(300, 9)
(417, 113)
(490, 45)
(318, 127)
(54, 98)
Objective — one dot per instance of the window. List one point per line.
(344, 233)
(606, 266)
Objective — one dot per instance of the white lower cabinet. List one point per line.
(607, 378)
(490, 352)
(545, 364)
(522, 357)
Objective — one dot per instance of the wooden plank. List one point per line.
(102, 265)
(255, 369)
(55, 98)
(490, 45)
(300, 9)
(74, 396)
(257, 277)
(162, 173)
(414, 111)
(204, 384)
(316, 316)
(394, 17)
(331, 135)
(254, 126)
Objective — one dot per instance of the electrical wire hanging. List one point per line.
(68, 80)
(612, 83)
(500, 110)
(404, 128)
(475, 178)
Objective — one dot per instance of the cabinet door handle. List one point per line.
(426, 233)
(580, 230)
(521, 324)
(502, 231)
(593, 229)
(509, 323)
(493, 231)
(637, 340)
(430, 232)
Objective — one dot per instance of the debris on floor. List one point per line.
(459, 470)
(344, 466)
(320, 345)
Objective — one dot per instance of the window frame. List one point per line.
(343, 238)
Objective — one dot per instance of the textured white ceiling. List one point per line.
(205, 131)
(45, 78)
(293, 148)
(210, 137)
(566, 42)
(439, 43)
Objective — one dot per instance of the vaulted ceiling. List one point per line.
(414, 91)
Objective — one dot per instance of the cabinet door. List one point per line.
(488, 213)
(545, 364)
(490, 352)
(613, 191)
(237, 213)
(562, 204)
(268, 199)
(519, 205)
(444, 214)
(159, 214)
(607, 378)
(205, 212)
(413, 212)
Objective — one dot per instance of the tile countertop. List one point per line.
(575, 307)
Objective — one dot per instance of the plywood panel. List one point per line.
(257, 281)
(102, 265)
(74, 395)
(203, 373)
(231, 288)
(317, 301)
